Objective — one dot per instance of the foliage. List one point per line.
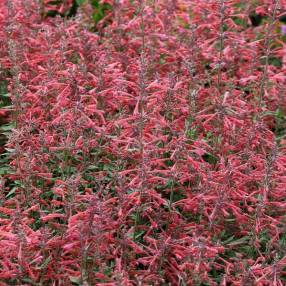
(70, 8)
(148, 151)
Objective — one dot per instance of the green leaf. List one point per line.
(98, 15)
(210, 158)
(28, 280)
(10, 150)
(138, 234)
(80, 2)
(8, 127)
(46, 262)
(55, 2)
(228, 240)
(239, 241)
(12, 192)
(75, 280)
(4, 170)
(92, 167)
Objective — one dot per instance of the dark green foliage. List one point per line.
(5, 127)
(209, 158)
(256, 19)
(4, 98)
(98, 14)
(99, 10)
(70, 13)
(283, 19)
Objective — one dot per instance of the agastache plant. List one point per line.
(145, 143)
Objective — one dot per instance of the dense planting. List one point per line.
(146, 143)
